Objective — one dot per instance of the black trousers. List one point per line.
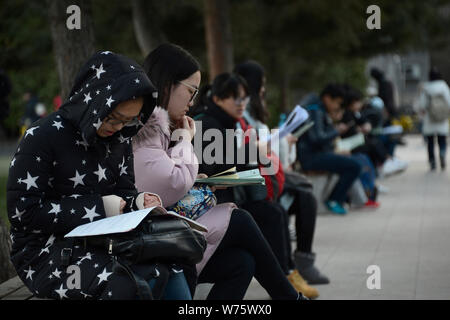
(375, 149)
(242, 254)
(442, 143)
(304, 208)
(271, 218)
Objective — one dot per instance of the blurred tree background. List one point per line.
(302, 44)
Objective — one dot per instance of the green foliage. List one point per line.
(301, 44)
(26, 55)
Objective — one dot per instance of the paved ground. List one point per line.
(408, 238)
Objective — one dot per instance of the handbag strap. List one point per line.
(142, 287)
(143, 290)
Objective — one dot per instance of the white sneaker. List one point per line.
(388, 168)
(393, 165)
(401, 164)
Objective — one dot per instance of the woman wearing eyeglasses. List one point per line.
(304, 206)
(236, 249)
(74, 167)
(222, 107)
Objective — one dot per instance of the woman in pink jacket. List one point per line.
(236, 249)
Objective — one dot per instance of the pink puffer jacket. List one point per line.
(171, 172)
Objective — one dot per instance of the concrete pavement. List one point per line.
(408, 238)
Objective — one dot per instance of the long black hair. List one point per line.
(253, 73)
(224, 86)
(165, 66)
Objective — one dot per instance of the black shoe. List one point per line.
(443, 164)
(432, 166)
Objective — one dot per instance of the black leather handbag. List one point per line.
(159, 238)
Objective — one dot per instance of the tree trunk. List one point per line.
(146, 28)
(218, 37)
(71, 47)
(7, 270)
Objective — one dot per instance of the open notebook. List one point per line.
(232, 178)
(350, 143)
(125, 222)
(292, 124)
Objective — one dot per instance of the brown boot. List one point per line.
(300, 285)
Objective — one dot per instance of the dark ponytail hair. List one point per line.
(165, 66)
(224, 86)
(253, 73)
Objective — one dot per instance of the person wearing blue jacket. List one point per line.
(315, 149)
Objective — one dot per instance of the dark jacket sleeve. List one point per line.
(320, 134)
(30, 208)
(216, 154)
(125, 187)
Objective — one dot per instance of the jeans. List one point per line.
(176, 288)
(347, 168)
(368, 174)
(389, 144)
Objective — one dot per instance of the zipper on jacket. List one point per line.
(110, 247)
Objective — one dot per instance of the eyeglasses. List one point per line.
(129, 123)
(194, 95)
(240, 101)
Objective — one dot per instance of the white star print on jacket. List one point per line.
(59, 174)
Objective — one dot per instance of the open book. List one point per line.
(125, 222)
(295, 119)
(303, 128)
(231, 177)
(350, 143)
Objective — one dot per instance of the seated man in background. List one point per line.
(315, 149)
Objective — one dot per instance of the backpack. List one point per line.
(274, 181)
(438, 108)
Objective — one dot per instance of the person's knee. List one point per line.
(242, 219)
(354, 167)
(244, 264)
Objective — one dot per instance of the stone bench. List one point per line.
(323, 183)
(15, 289)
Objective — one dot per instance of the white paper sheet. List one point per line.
(293, 121)
(350, 143)
(124, 223)
(393, 129)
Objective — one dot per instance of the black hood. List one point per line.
(106, 80)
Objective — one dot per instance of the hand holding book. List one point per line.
(231, 178)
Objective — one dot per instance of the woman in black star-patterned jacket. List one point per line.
(73, 167)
